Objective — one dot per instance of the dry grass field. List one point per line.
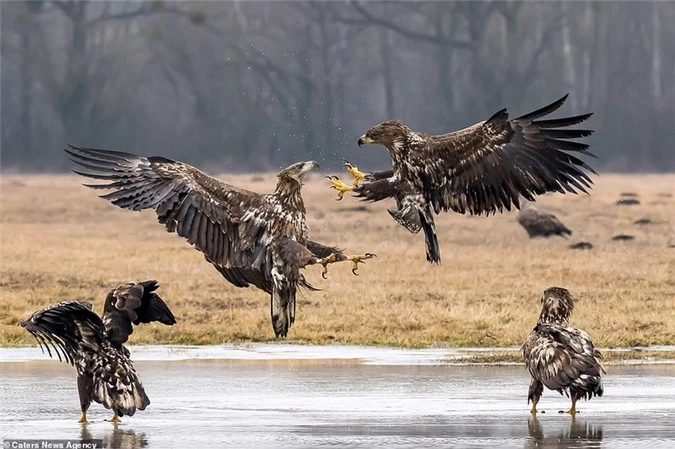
(59, 241)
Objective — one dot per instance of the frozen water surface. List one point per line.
(304, 396)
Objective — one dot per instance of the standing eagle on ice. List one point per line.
(559, 356)
(95, 346)
(481, 169)
(250, 238)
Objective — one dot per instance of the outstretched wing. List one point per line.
(224, 222)
(133, 302)
(485, 167)
(558, 356)
(70, 328)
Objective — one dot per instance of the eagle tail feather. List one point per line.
(117, 386)
(430, 237)
(587, 386)
(282, 310)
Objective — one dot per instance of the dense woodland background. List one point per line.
(257, 85)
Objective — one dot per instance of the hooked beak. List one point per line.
(364, 140)
(309, 166)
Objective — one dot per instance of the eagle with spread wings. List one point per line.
(559, 356)
(478, 170)
(95, 345)
(250, 238)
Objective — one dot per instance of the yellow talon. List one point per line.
(115, 419)
(340, 186)
(354, 170)
(324, 262)
(83, 418)
(573, 410)
(356, 260)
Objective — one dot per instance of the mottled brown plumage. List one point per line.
(484, 168)
(245, 235)
(94, 346)
(560, 357)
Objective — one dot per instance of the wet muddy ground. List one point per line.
(394, 399)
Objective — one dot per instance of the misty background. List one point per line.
(234, 86)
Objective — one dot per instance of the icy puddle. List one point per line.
(386, 398)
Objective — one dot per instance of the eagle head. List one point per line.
(386, 133)
(557, 305)
(297, 171)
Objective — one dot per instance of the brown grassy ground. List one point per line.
(60, 241)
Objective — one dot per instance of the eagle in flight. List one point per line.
(478, 170)
(559, 356)
(95, 346)
(250, 238)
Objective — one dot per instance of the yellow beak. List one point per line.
(365, 139)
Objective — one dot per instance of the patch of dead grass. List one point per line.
(60, 241)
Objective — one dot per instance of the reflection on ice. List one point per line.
(579, 433)
(118, 438)
(210, 403)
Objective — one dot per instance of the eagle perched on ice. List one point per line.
(481, 169)
(95, 346)
(251, 239)
(559, 356)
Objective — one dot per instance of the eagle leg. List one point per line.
(115, 419)
(355, 172)
(333, 258)
(340, 186)
(83, 417)
(356, 260)
(324, 263)
(573, 410)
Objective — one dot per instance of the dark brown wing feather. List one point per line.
(133, 302)
(376, 176)
(485, 167)
(78, 336)
(224, 222)
(246, 276)
(563, 357)
(320, 251)
(70, 328)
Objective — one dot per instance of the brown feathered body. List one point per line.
(94, 346)
(540, 223)
(481, 169)
(250, 238)
(561, 357)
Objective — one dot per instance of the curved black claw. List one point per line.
(323, 275)
(338, 185)
(361, 259)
